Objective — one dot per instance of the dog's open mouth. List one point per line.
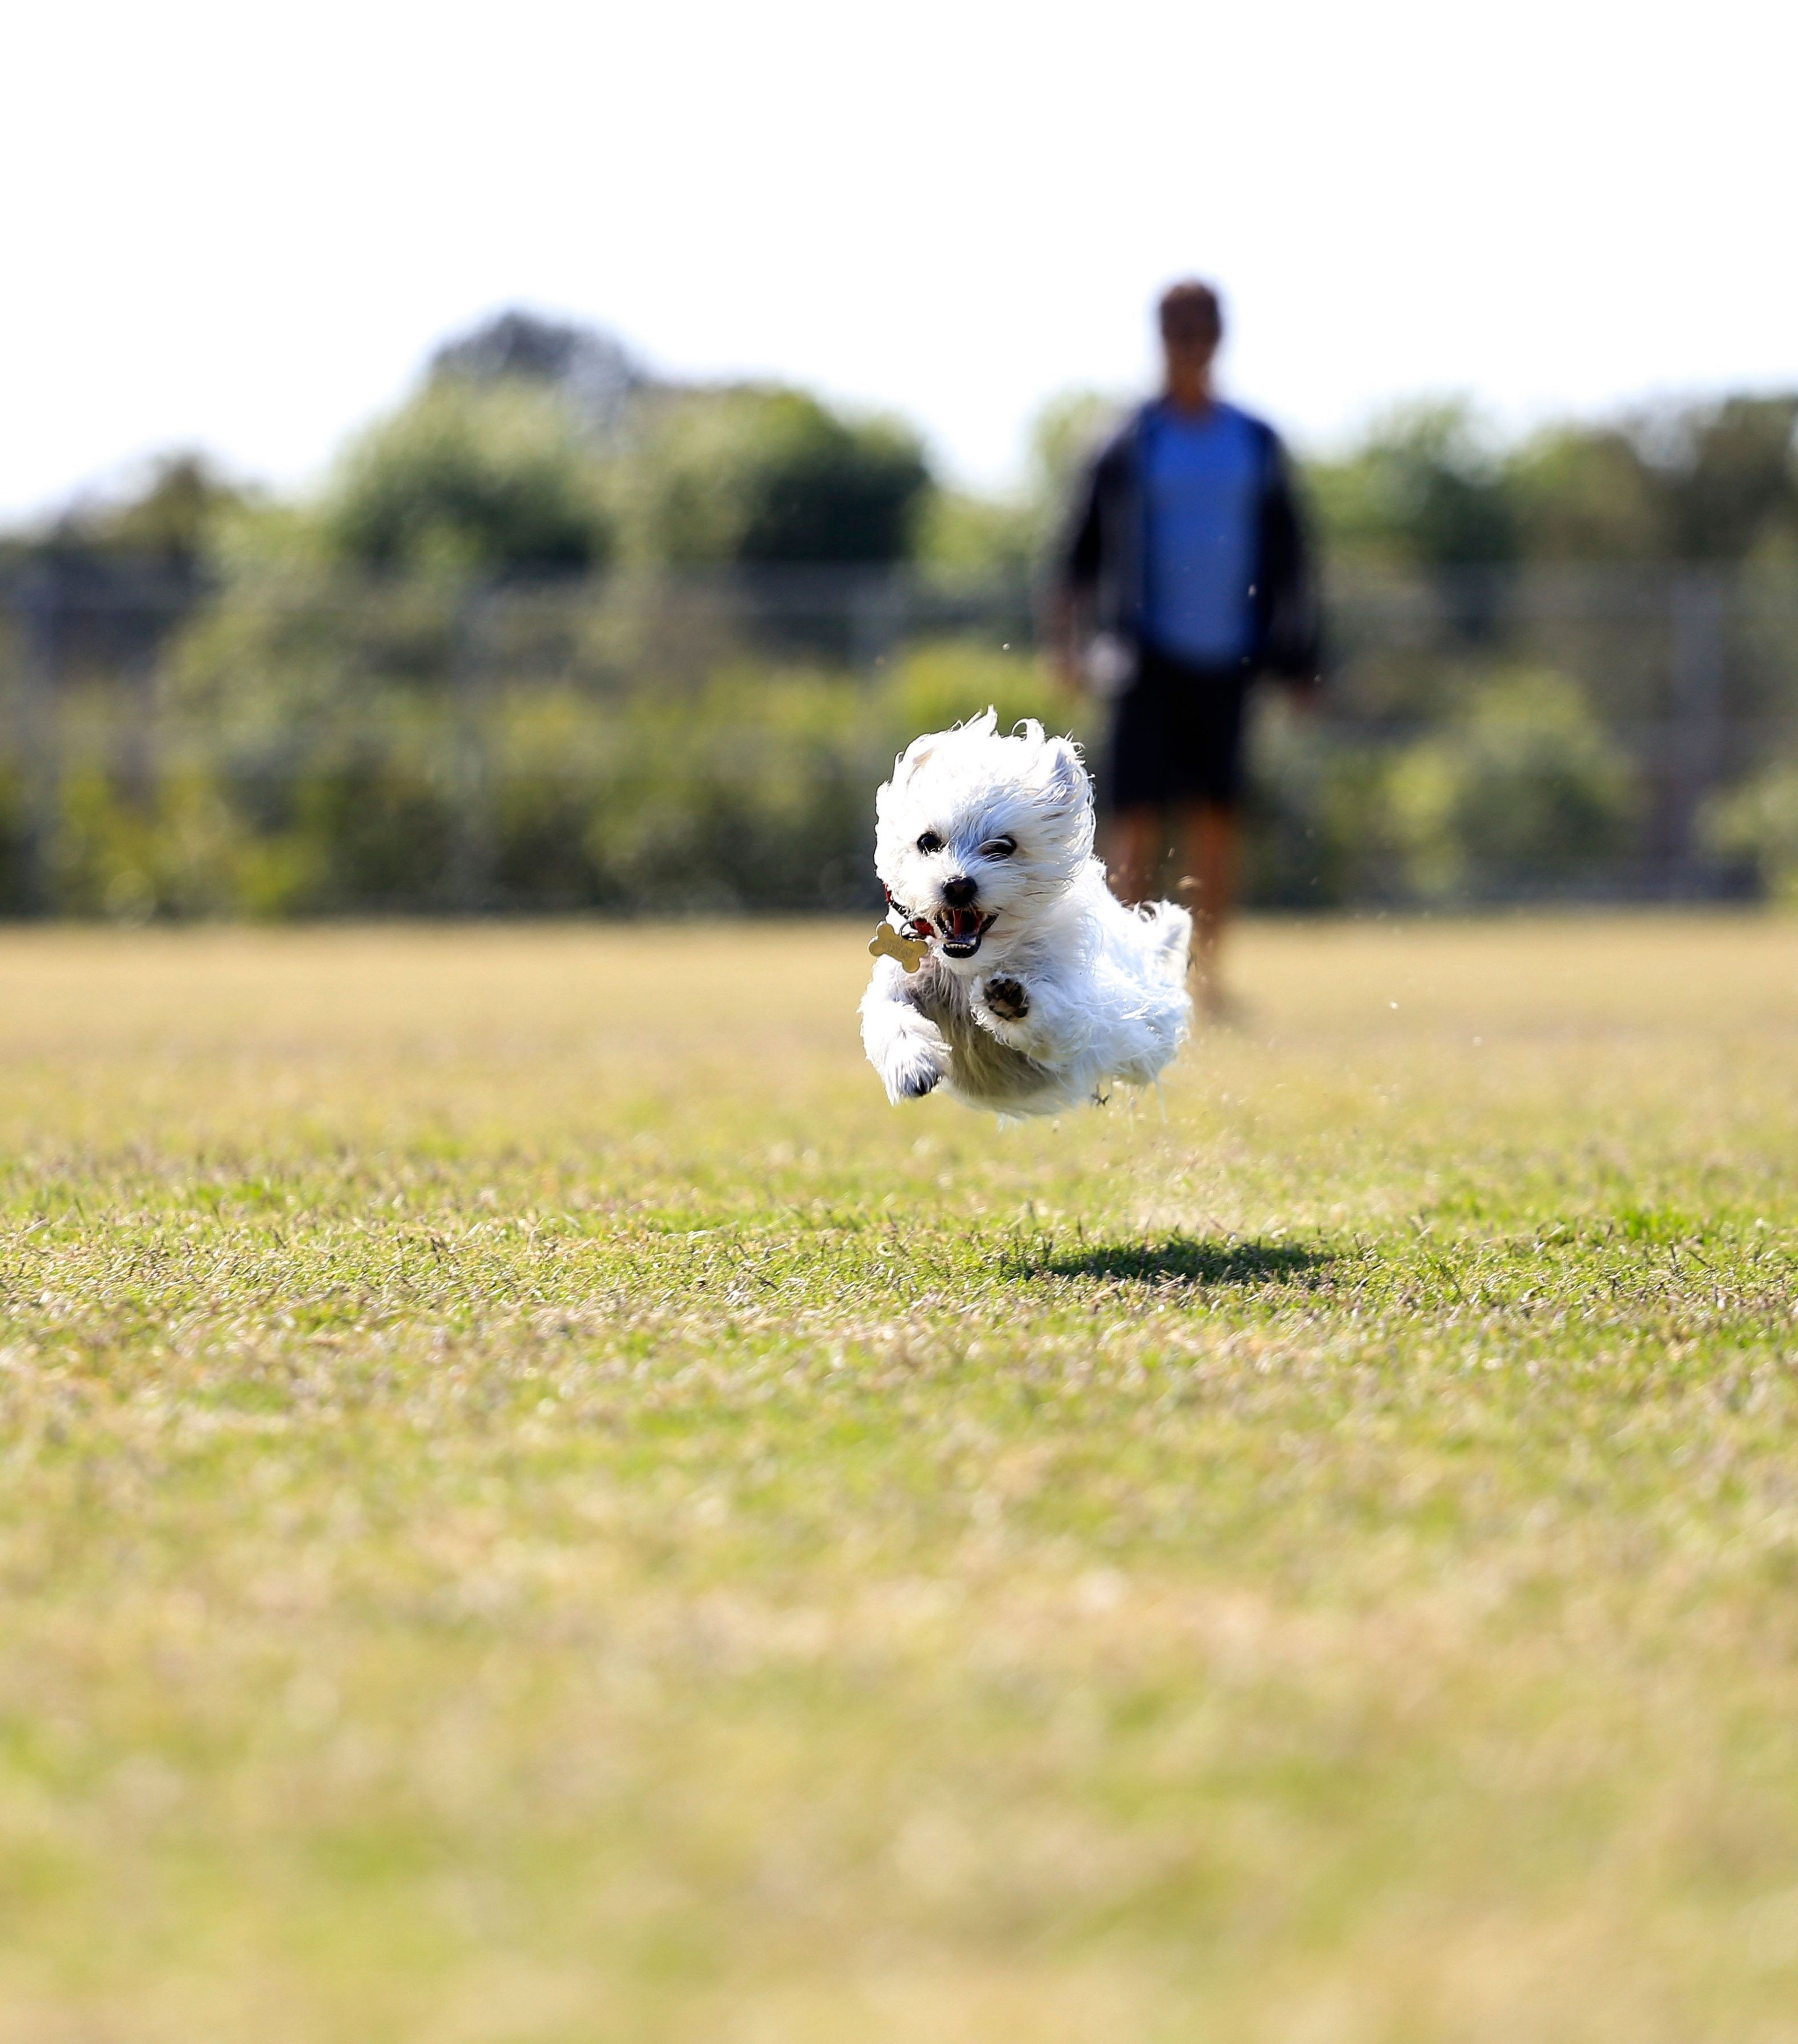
(962, 929)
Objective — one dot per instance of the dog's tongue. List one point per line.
(962, 922)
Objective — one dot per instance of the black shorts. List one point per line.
(1176, 735)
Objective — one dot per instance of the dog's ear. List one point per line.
(1064, 774)
(915, 755)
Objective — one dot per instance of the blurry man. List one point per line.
(1184, 577)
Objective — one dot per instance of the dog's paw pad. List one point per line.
(1007, 999)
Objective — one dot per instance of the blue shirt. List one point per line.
(1202, 481)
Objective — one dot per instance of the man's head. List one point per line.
(1192, 325)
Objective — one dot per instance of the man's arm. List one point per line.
(1292, 627)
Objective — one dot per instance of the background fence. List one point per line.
(296, 743)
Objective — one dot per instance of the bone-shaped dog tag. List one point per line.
(887, 943)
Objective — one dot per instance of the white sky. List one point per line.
(241, 227)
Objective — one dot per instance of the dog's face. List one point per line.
(976, 834)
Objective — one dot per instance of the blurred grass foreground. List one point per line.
(538, 1509)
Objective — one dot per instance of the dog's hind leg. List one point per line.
(1173, 928)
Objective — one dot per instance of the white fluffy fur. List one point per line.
(1102, 988)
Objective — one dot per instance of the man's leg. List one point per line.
(1133, 853)
(1208, 839)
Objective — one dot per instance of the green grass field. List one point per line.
(537, 1509)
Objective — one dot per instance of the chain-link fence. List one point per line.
(293, 742)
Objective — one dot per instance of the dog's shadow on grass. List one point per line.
(1182, 1261)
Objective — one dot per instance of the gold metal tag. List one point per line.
(887, 943)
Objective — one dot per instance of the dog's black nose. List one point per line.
(958, 893)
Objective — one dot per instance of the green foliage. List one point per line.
(1521, 790)
(965, 537)
(1697, 482)
(1732, 474)
(1064, 435)
(821, 490)
(317, 763)
(591, 371)
(754, 797)
(1755, 824)
(1317, 835)
(1518, 791)
(1587, 494)
(331, 780)
(17, 881)
(130, 857)
(1424, 486)
(945, 684)
(174, 519)
(768, 476)
(471, 480)
(965, 534)
(274, 659)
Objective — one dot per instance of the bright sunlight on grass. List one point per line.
(537, 1509)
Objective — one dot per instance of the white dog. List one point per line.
(1009, 973)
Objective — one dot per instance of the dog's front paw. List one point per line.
(912, 1073)
(1006, 998)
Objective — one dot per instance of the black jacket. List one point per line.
(1100, 567)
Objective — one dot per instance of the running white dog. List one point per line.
(1007, 972)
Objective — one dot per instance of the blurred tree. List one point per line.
(966, 533)
(1691, 482)
(112, 577)
(1068, 430)
(755, 473)
(1587, 494)
(1729, 473)
(821, 490)
(1421, 487)
(464, 479)
(1755, 824)
(1521, 790)
(967, 537)
(174, 520)
(592, 370)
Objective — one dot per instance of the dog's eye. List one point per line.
(930, 841)
(998, 847)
